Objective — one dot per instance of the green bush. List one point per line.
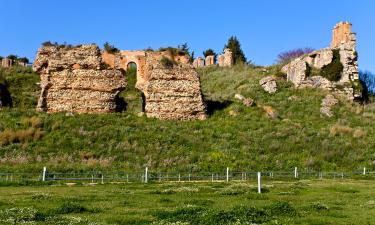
(110, 48)
(333, 71)
(166, 62)
(70, 207)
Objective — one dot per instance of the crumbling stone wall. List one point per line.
(226, 59)
(210, 60)
(341, 34)
(301, 70)
(74, 79)
(171, 92)
(198, 62)
(6, 63)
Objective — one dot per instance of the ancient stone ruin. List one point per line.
(171, 91)
(74, 79)
(83, 79)
(334, 68)
(6, 63)
(224, 60)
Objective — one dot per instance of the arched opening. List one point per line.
(133, 98)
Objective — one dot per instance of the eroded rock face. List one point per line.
(344, 43)
(269, 84)
(73, 79)
(172, 93)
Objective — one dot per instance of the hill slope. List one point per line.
(240, 137)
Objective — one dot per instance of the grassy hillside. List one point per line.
(234, 135)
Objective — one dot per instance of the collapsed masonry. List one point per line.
(224, 60)
(334, 68)
(83, 79)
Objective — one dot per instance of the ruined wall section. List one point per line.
(344, 41)
(172, 93)
(73, 79)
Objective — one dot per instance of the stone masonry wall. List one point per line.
(74, 80)
(343, 41)
(172, 92)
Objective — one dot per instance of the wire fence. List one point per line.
(154, 176)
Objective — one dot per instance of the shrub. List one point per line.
(70, 207)
(333, 71)
(288, 56)
(166, 62)
(110, 48)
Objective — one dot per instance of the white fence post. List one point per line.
(102, 179)
(259, 189)
(189, 177)
(227, 174)
(295, 172)
(364, 170)
(44, 173)
(212, 178)
(179, 177)
(146, 175)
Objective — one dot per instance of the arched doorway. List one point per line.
(134, 98)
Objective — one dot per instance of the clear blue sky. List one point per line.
(264, 27)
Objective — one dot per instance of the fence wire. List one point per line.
(154, 176)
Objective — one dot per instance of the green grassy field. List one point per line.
(235, 136)
(284, 202)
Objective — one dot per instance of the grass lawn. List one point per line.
(284, 202)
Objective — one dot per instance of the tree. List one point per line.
(110, 48)
(1, 58)
(209, 52)
(287, 56)
(235, 46)
(23, 60)
(368, 79)
(12, 57)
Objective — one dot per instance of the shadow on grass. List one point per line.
(213, 106)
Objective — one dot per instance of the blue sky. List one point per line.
(264, 27)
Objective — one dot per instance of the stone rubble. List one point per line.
(269, 84)
(327, 103)
(245, 101)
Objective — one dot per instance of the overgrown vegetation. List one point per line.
(333, 71)
(234, 135)
(167, 62)
(110, 48)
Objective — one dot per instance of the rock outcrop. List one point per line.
(269, 84)
(334, 69)
(172, 93)
(74, 79)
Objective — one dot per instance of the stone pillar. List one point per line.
(226, 59)
(198, 62)
(210, 60)
(6, 63)
(341, 34)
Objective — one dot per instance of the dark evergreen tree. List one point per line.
(235, 46)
